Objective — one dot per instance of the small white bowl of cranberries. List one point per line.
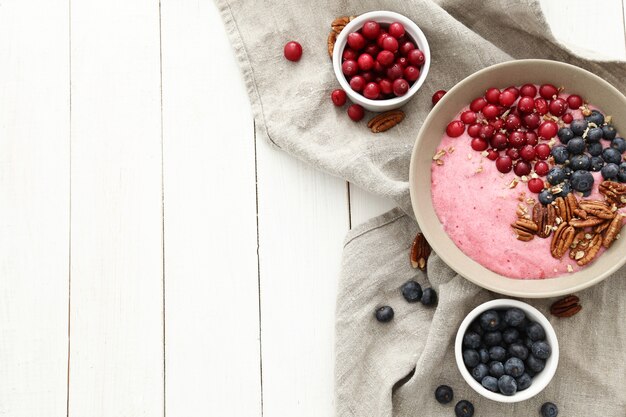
(381, 59)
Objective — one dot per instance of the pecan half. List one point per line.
(332, 38)
(614, 192)
(592, 251)
(524, 229)
(588, 222)
(578, 244)
(596, 208)
(602, 227)
(420, 251)
(545, 218)
(566, 307)
(562, 209)
(612, 231)
(572, 204)
(562, 240)
(385, 121)
(339, 23)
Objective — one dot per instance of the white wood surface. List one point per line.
(198, 265)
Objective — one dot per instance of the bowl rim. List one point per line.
(357, 23)
(532, 288)
(551, 363)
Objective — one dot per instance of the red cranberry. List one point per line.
(381, 37)
(487, 131)
(437, 96)
(492, 154)
(468, 117)
(368, 76)
(356, 41)
(542, 106)
(479, 144)
(356, 112)
(513, 122)
(455, 128)
(497, 124)
(350, 67)
(293, 51)
(507, 98)
(514, 90)
(474, 130)
(357, 83)
(390, 44)
(402, 61)
(416, 57)
(349, 54)
(411, 73)
(366, 62)
(542, 168)
(385, 58)
(528, 90)
(396, 29)
(542, 151)
(400, 87)
(370, 29)
(527, 152)
(531, 138)
(531, 120)
(478, 104)
(512, 153)
(504, 164)
(491, 111)
(338, 97)
(394, 71)
(517, 139)
(372, 49)
(521, 168)
(406, 47)
(378, 68)
(526, 104)
(535, 185)
(548, 91)
(499, 141)
(574, 101)
(567, 118)
(557, 106)
(386, 86)
(548, 129)
(371, 91)
(493, 95)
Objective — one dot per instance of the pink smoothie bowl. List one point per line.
(576, 80)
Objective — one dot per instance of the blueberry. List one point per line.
(528, 342)
(594, 149)
(444, 394)
(464, 408)
(575, 146)
(582, 180)
(609, 171)
(535, 331)
(546, 197)
(612, 155)
(492, 338)
(510, 335)
(578, 162)
(471, 340)
(560, 154)
(496, 369)
(549, 410)
(514, 316)
(476, 328)
(411, 291)
(621, 172)
(535, 364)
(568, 172)
(514, 367)
(619, 144)
(484, 355)
(541, 349)
(507, 385)
(490, 383)
(384, 314)
(517, 350)
(490, 320)
(523, 381)
(480, 371)
(594, 134)
(429, 297)
(595, 117)
(471, 358)
(566, 188)
(497, 353)
(608, 131)
(565, 134)
(578, 126)
(556, 175)
(596, 163)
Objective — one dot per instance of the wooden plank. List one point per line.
(364, 205)
(567, 17)
(34, 207)
(116, 353)
(211, 264)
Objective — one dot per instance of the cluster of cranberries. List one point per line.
(381, 63)
(514, 126)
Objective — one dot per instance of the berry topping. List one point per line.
(535, 185)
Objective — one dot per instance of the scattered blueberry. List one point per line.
(514, 316)
(560, 154)
(582, 181)
(464, 408)
(546, 197)
(535, 364)
(608, 131)
(484, 355)
(556, 175)
(594, 149)
(412, 291)
(384, 314)
(565, 134)
(496, 369)
(612, 155)
(578, 126)
(621, 173)
(619, 144)
(549, 410)
(491, 383)
(497, 353)
(609, 171)
(595, 117)
(492, 338)
(594, 134)
(514, 367)
(578, 162)
(510, 335)
(471, 358)
(429, 297)
(471, 340)
(596, 163)
(568, 172)
(523, 381)
(444, 394)
(480, 371)
(541, 349)
(507, 385)
(575, 146)
(566, 188)
(517, 350)
(490, 320)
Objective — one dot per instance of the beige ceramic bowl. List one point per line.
(576, 80)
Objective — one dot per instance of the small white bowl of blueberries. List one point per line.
(506, 350)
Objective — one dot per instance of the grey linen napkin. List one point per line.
(393, 369)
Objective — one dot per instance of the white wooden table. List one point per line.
(155, 258)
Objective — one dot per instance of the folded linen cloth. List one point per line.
(292, 110)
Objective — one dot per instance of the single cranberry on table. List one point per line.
(371, 91)
(350, 68)
(371, 29)
(406, 47)
(474, 130)
(504, 164)
(528, 90)
(338, 97)
(521, 168)
(411, 73)
(535, 185)
(396, 29)
(468, 117)
(390, 44)
(492, 95)
(542, 168)
(356, 41)
(416, 57)
(400, 87)
(357, 83)
(292, 51)
(385, 58)
(557, 106)
(356, 112)
(542, 151)
(437, 96)
(548, 91)
(366, 62)
(479, 144)
(526, 104)
(574, 101)
(478, 104)
(455, 128)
